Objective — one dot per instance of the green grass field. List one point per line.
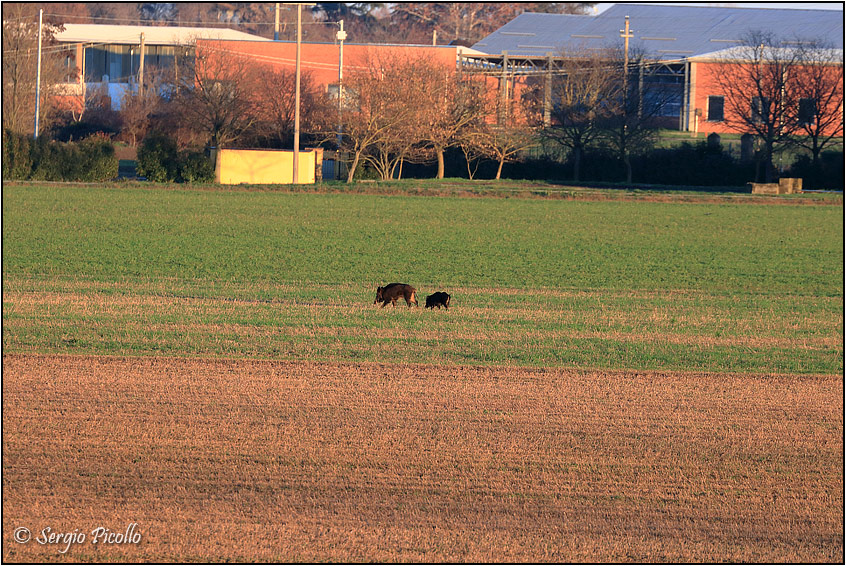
(624, 283)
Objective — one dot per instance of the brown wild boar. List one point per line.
(439, 299)
(390, 294)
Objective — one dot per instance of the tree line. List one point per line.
(394, 113)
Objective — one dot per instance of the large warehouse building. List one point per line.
(687, 44)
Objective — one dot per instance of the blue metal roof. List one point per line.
(662, 31)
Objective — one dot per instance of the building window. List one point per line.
(70, 69)
(715, 108)
(807, 110)
(760, 109)
(95, 64)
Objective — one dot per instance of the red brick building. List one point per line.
(712, 109)
(324, 60)
(685, 45)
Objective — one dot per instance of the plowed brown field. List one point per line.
(286, 461)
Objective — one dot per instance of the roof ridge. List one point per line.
(721, 7)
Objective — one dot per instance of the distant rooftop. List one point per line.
(663, 31)
(153, 35)
(742, 53)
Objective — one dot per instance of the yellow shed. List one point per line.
(263, 166)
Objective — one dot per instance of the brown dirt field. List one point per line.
(219, 460)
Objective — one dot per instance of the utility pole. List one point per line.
(141, 67)
(503, 90)
(626, 34)
(684, 119)
(38, 74)
(82, 76)
(296, 178)
(547, 92)
(276, 29)
(640, 69)
(341, 36)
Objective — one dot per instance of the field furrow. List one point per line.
(271, 461)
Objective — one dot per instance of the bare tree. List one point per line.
(504, 144)
(20, 57)
(504, 140)
(158, 12)
(376, 113)
(818, 89)
(473, 152)
(369, 111)
(140, 104)
(407, 110)
(587, 80)
(633, 105)
(215, 95)
(756, 78)
(448, 103)
(467, 21)
(274, 98)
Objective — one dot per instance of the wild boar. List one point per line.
(390, 294)
(439, 299)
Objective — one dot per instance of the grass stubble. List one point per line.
(227, 460)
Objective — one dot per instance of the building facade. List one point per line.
(726, 89)
(110, 57)
(688, 49)
(327, 62)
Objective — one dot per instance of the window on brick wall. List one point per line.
(807, 110)
(715, 108)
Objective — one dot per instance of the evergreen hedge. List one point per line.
(160, 160)
(90, 160)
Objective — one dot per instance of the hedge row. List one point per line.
(93, 159)
(89, 160)
(827, 174)
(694, 165)
(160, 160)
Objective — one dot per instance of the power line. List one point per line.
(182, 23)
(284, 60)
(21, 19)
